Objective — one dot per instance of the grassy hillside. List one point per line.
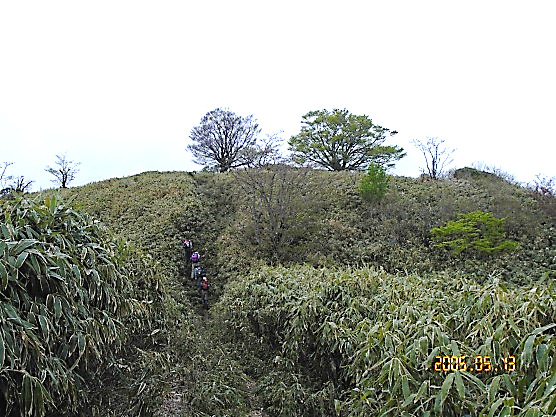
(314, 339)
(330, 222)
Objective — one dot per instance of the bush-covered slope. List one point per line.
(318, 217)
(361, 342)
(329, 223)
(299, 361)
(147, 210)
(73, 302)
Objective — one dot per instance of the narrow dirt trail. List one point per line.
(214, 366)
(213, 377)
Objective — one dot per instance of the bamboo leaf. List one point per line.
(494, 387)
(543, 329)
(510, 385)
(5, 231)
(27, 394)
(506, 411)
(57, 308)
(527, 354)
(422, 390)
(533, 412)
(43, 322)
(460, 387)
(39, 399)
(22, 245)
(20, 259)
(81, 344)
(445, 389)
(478, 383)
(495, 406)
(455, 348)
(405, 387)
(35, 264)
(3, 277)
(2, 349)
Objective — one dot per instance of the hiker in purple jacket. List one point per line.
(195, 258)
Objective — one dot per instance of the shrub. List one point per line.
(65, 299)
(361, 342)
(374, 183)
(477, 231)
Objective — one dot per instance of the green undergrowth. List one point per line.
(196, 375)
(360, 342)
(303, 340)
(334, 224)
(148, 209)
(76, 309)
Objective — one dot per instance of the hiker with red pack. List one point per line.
(205, 285)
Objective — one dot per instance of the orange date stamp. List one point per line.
(474, 364)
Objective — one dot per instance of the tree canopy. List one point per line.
(224, 139)
(341, 141)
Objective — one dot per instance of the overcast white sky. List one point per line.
(119, 85)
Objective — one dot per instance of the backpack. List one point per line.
(205, 284)
(201, 272)
(187, 244)
(195, 257)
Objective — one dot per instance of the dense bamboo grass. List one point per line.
(375, 337)
(68, 303)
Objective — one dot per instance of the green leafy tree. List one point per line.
(374, 184)
(341, 141)
(477, 231)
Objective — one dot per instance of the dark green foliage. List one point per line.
(66, 298)
(374, 183)
(341, 141)
(475, 232)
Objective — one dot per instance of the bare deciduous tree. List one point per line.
(4, 179)
(277, 207)
(437, 157)
(64, 172)
(223, 138)
(544, 185)
(20, 185)
(9, 183)
(265, 152)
